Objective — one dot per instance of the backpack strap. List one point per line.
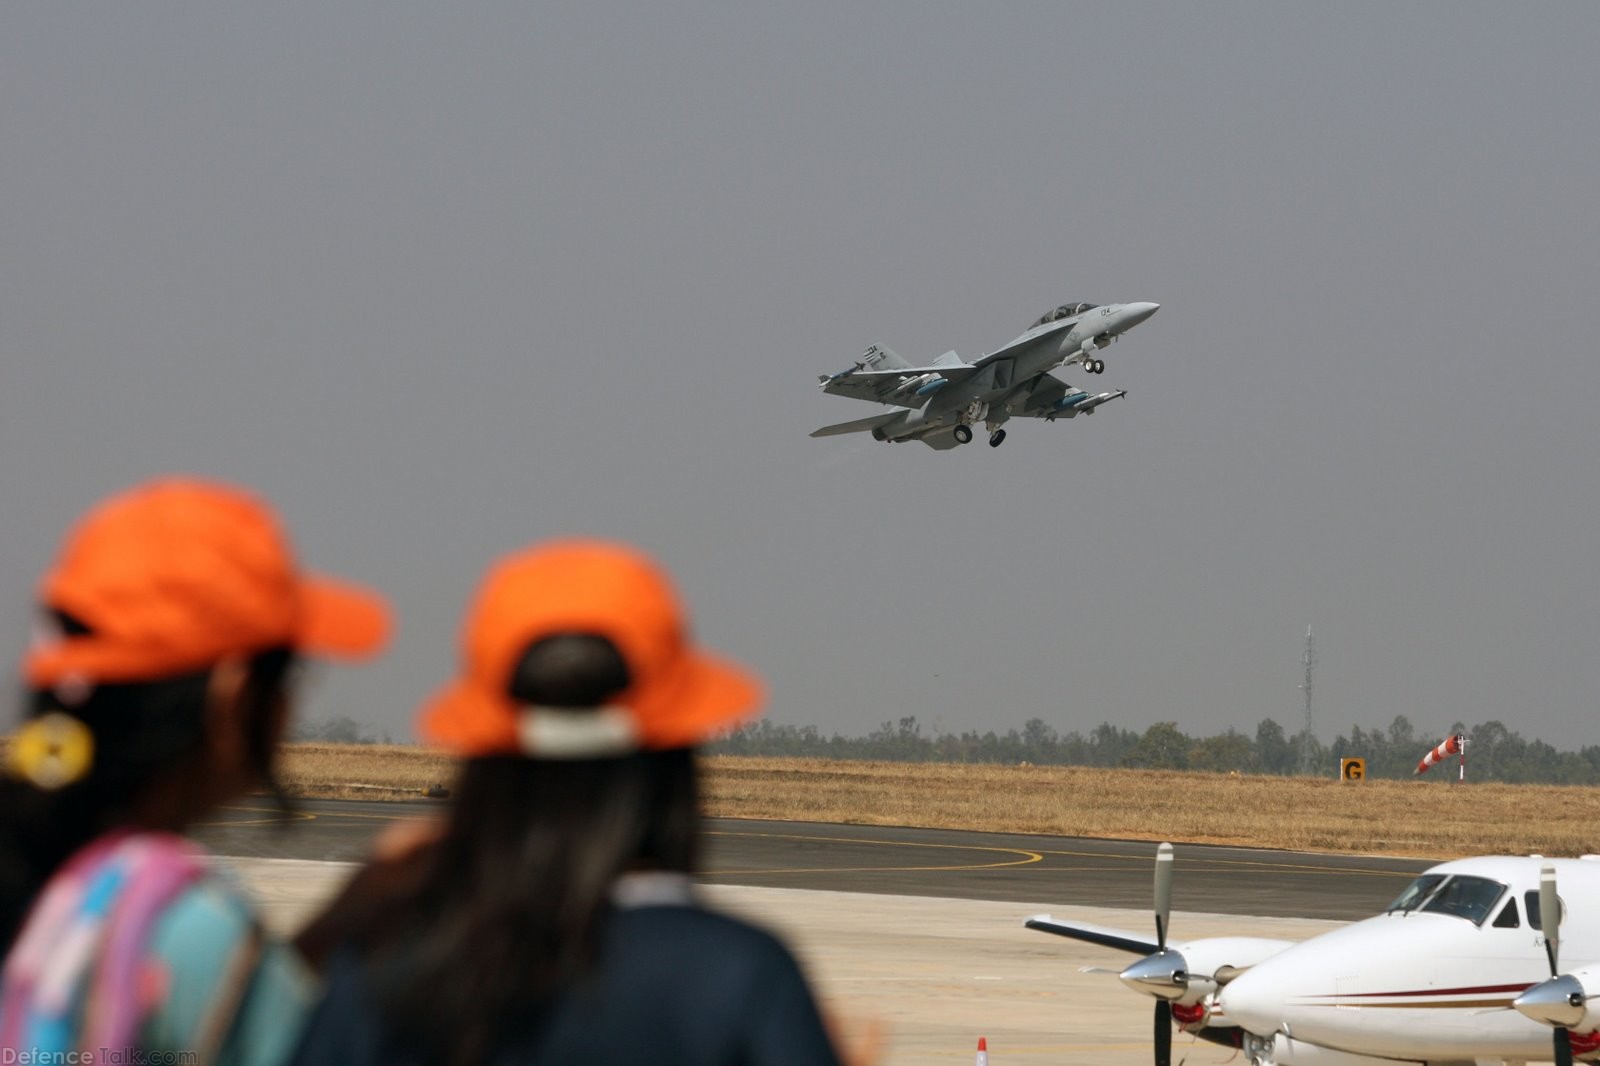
(223, 1010)
(160, 867)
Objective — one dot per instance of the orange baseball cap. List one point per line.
(677, 695)
(175, 574)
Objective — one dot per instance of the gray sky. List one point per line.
(444, 280)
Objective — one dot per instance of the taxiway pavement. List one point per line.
(918, 930)
(935, 974)
(893, 860)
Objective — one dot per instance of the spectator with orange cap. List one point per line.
(552, 919)
(159, 684)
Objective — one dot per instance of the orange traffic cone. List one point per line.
(983, 1052)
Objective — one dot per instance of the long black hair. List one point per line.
(508, 907)
(143, 732)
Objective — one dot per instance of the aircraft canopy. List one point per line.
(1064, 311)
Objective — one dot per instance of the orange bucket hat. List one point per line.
(677, 695)
(175, 574)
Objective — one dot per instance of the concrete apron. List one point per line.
(936, 974)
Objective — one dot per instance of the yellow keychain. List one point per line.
(52, 751)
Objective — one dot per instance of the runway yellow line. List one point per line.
(1034, 857)
(298, 816)
(310, 816)
(1028, 857)
(1197, 863)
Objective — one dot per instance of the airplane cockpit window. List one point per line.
(1466, 897)
(1415, 893)
(1507, 918)
(1064, 311)
(1472, 898)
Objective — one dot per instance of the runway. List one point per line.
(1049, 871)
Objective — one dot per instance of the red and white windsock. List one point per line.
(983, 1052)
(1449, 746)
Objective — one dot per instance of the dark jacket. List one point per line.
(675, 985)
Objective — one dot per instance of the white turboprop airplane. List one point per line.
(1461, 969)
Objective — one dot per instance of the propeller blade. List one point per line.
(1563, 1048)
(1550, 916)
(1163, 1034)
(1163, 893)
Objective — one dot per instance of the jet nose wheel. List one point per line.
(963, 434)
(1099, 367)
(997, 438)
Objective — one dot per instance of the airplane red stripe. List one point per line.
(1427, 992)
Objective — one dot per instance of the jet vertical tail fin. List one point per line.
(878, 357)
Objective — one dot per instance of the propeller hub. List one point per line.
(1164, 975)
(1557, 1002)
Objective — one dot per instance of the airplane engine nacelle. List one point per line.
(1217, 960)
(1280, 1048)
(1589, 978)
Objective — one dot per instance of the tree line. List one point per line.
(1494, 752)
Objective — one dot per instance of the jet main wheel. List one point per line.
(997, 438)
(963, 434)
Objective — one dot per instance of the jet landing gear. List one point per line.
(997, 438)
(1094, 366)
(963, 434)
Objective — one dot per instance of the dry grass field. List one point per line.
(363, 771)
(1430, 817)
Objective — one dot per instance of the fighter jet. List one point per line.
(938, 404)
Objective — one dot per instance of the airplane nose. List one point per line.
(1133, 314)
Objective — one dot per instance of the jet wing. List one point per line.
(906, 387)
(1047, 396)
(1020, 345)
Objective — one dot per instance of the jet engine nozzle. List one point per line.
(1559, 1002)
(1164, 975)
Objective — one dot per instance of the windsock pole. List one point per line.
(983, 1052)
